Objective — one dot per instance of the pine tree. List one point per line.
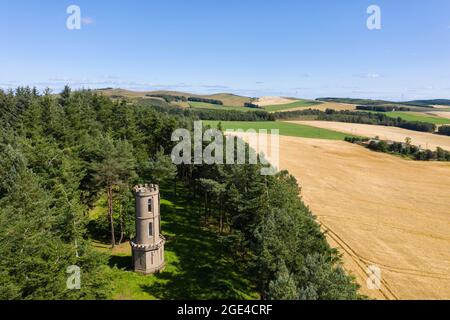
(283, 287)
(115, 169)
(160, 168)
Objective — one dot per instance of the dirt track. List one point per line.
(423, 139)
(380, 210)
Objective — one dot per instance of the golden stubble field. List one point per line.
(379, 210)
(423, 139)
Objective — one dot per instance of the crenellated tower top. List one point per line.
(144, 190)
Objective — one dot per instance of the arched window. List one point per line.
(150, 205)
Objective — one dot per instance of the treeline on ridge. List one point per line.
(444, 130)
(251, 105)
(382, 108)
(357, 117)
(168, 98)
(370, 102)
(405, 149)
(174, 98)
(205, 100)
(208, 114)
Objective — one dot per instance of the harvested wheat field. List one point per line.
(334, 106)
(273, 101)
(379, 210)
(423, 139)
(442, 114)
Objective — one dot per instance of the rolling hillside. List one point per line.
(228, 99)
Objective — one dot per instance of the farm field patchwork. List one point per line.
(210, 106)
(286, 129)
(423, 139)
(379, 210)
(418, 117)
(272, 101)
(441, 114)
(334, 106)
(294, 105)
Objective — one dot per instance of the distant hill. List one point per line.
(433, 102)
(227, 99)
(365, 102)
(370, 102)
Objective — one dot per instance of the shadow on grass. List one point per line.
(201, 271)
(121, 262)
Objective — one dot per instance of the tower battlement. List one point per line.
(146, 189)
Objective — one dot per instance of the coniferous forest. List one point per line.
(61, 153)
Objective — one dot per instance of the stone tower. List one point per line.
(148, 246)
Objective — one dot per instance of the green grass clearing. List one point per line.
(415, 117)
(294, 105)
(210, 106)
(195, 266)
(286, 129)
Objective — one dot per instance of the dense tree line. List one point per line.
(168, 98)
(208, 114)
(251, 105)
(59, 155)
(404, 149)
(297, 114)
(268, 227)
(230, 115)
(357, 117)
(444, 130)
(370, 102)
(382, 108)
(205, 100)
(429, 103)
(62, 154)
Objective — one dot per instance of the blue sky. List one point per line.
(300, 48)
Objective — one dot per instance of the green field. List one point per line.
(415, 117)
(296, 104)
(210, 106)
(197, 265)
(286, 129)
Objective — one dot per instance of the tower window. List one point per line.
(150, 205)
(150, 229)
(141, 259)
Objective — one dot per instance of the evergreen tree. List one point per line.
(283, 287)
(161, 168)
(115, 169)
